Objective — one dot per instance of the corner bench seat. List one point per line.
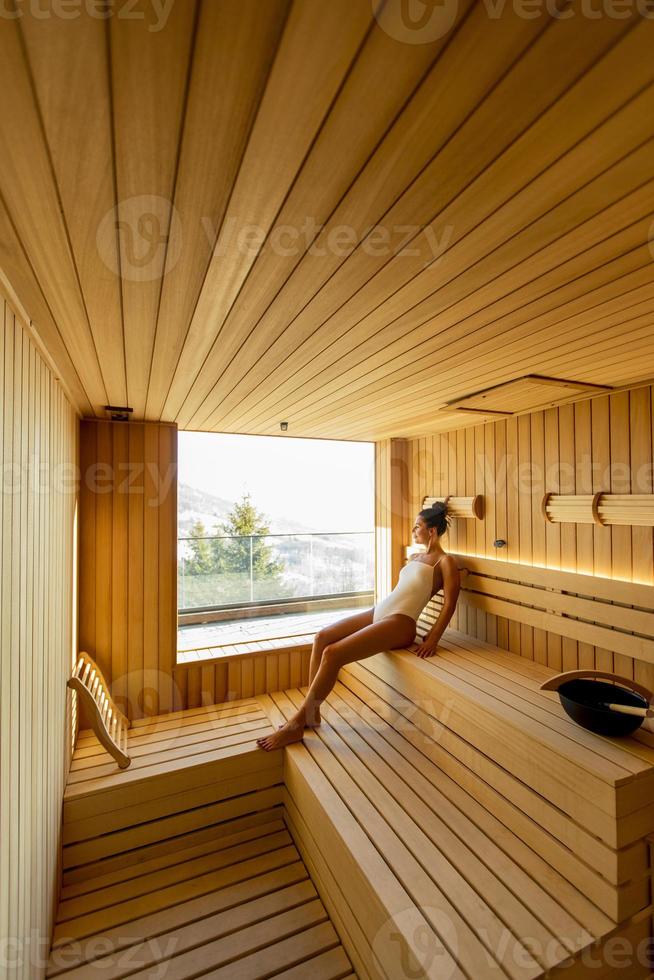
(399, 848)
(584, 802)
(188, 768)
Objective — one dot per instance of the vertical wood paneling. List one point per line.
(119, 565)
(621, 554)
(525, 518)
(642, 477)
(398, 483)
(128, 561)
(167, 614)
(38, 456)
(601, 444)
(601, 481)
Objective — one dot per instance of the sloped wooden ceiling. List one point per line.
(233, 212)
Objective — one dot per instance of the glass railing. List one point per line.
(215, 571)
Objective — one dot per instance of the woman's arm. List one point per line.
(451, 587)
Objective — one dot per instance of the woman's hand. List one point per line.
(426, 649)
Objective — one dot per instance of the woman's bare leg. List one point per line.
(330, 634)
(392, 631)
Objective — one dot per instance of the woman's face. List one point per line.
(421, 533)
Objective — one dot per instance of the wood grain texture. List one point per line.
(425, 231)
(128, 560)
(38, 452)
(604, 443)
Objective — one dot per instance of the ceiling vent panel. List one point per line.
(529, 393)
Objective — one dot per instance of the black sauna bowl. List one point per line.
(583, 696)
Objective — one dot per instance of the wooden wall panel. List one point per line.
(603, 443)
(240, 677)
(38, 456)
(392, 509)
(128, 560)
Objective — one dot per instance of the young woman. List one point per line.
(389, 624)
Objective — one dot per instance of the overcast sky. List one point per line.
(323, 484)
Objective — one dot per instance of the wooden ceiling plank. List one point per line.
(501, 118)
(454, 359)
(149, 71)
(17, 277)
(568, 358)
(488, 276)
(319, 46)
(32, 201)
(639, 336)
(235, 48)
(590, 307)
(68, 61)
(384, 313)
(436, 110)
(450, 368)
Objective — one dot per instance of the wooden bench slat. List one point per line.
(336, 761)
(567, 849)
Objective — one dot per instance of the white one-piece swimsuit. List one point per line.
(412, 592)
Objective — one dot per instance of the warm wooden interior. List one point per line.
(221, 214)
(38, 630)
(601, 443)
(128, 559)
(510, 209)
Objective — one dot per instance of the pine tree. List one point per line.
(233, 555)
(200, 559)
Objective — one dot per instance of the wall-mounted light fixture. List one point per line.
(499, 543)
(118, 413)
(283, 426)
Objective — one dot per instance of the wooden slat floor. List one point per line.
(446, 804)
(238, 906)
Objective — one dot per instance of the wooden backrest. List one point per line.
(608, 613)
(108, 722)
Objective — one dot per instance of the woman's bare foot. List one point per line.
(308, 723)
(290, 732)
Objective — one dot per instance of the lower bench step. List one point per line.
(417, 881)
(239, 906)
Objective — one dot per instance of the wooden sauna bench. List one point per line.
(460, 800)
(181, 762)
(185, 856)
(445, 805)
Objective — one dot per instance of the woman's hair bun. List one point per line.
(436, 516)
